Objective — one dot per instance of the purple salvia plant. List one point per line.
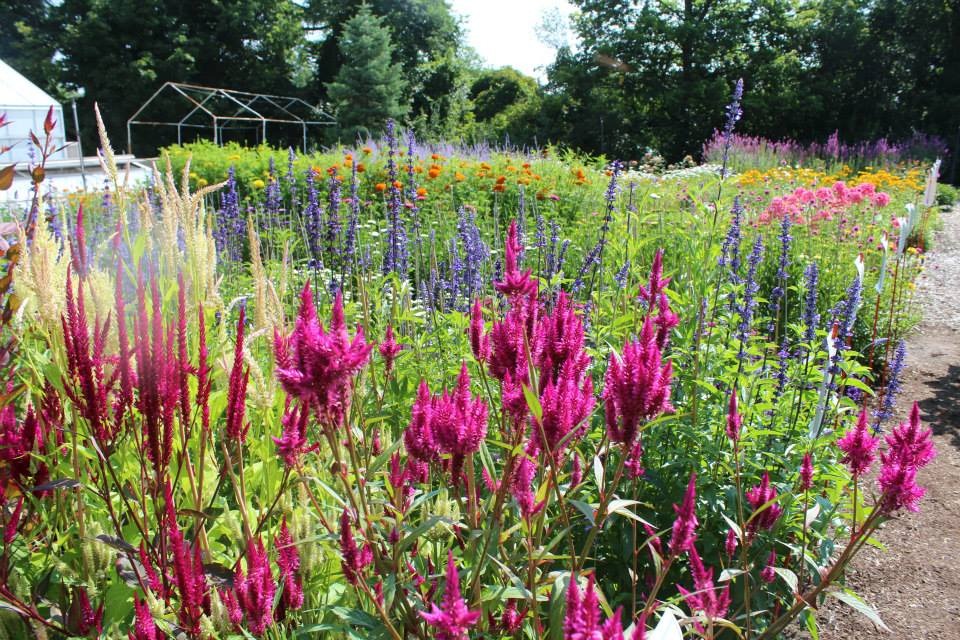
(811, 317)
(892, 388)
(395, 255)
(313, 216)
(778, 292)
(734, 112)
(750, 289)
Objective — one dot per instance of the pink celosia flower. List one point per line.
(759, 496)
(292, 443)
(657, 282)
(859, 447)
(665, 321)
(511, 619)
(637, 387)
(565, 405)
(767, 574)
(389, 349)
(82, 617)
(685, 524)
(144, 628)
(806, 472)
(582, 619)
(454, 424)
(734, 419)
(288, 561)
(634, 463)
(705, 597)
(230, 603)
(479, 342)
(256, 589)
(515, 283)
(576, 470)
(87, 385)
(558, 342)
(352, 559)
(521, 482)
(237, 428)
(188, 571)
(317, 366)
(730, 544)
(910, 443)
(452, 618)
(910, 448)
(418, 436)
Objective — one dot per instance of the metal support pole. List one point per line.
(76, 128)
(264, 132)
(304, 139)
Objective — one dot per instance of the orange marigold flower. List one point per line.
(421, 192)
(360, 167)
(397, 184)
(381, 187)
(433, 173)
(499, 187)
(501, 179)
(367, 150)
(459, 177)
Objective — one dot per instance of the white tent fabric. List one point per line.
(25, 106)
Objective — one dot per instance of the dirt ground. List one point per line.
(915, 582)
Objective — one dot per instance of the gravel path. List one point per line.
(915, 583)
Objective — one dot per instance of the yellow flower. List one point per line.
(259, 184)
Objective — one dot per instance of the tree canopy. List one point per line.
(628, 74)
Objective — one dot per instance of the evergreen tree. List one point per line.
(368, 88)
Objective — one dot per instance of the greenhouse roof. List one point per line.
(20, 93)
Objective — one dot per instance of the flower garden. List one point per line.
(406, 390)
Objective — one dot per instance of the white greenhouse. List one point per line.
(25, 106)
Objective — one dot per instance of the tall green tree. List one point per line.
(427, 45)
(369, 88)
(121, 51)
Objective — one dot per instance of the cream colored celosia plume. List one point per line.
(183, 218)
(268, 311)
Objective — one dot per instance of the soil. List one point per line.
(915, 583)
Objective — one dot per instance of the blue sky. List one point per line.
(503, 32)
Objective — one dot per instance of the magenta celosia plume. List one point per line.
(637, 387)
(237, 427)
(515, 283)
(479, 341)
(353, 559)
(765, 515)
(452, 618)
(909, 448)
(734, 419)
(453, 424)
(705, 598)
(389, 348)
(255, 589)
(582, 620)
(859, 447)
(806, 472)
(317, 366)
(685, 524)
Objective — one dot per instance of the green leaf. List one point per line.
(533, 402)
(857, 603)
(788, 576)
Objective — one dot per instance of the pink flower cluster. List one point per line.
(453, 424)
(317, 366)
(582, 620)
(909, 448)
(810, 205)
(452, 618)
